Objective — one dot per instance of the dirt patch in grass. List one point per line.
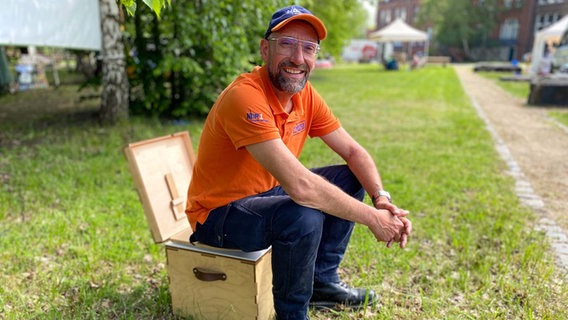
(32, 107)
(44, 108)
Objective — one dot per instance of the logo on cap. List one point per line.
(293, 11)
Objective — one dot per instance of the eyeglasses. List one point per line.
(287, 45)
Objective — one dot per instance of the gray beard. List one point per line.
(284, 84)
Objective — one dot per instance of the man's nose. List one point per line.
(297, 54)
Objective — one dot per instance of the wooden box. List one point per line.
(205, 282)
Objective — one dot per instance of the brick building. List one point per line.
(512, 37)
(389, 10)
(548, 12)
(407, 10)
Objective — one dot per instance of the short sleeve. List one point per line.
(323, 119)
(246, 116)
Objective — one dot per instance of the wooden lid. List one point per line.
(162, 169)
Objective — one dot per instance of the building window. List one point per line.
(509, 29)
(514, 3)
(416, 13)
(543, 21)
(384, 17)
(400, 13)
(545, 2)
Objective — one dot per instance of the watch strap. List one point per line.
(382, 193)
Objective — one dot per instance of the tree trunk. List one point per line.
(114, 97)
(465, 46)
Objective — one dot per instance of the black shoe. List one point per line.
(330, 294)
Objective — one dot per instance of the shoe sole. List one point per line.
(337, 305)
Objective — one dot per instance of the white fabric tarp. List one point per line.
(549, 35)
(51, 23)
(398, 31)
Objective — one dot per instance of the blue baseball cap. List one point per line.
(281, 17)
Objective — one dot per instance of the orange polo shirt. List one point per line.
(248, 112)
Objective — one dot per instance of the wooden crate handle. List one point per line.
(205, 275)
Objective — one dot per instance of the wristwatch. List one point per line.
(384, 193)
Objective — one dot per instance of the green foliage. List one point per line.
(155, 5)
(343, 19)
(130, 6)
(186, 58)
(459, 23)
(182, 61)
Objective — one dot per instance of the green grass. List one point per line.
(560, 115)
(74, 243)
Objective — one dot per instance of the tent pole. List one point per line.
(54, 69)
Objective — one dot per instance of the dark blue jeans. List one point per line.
(307, 244)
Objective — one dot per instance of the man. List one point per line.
(249, 191)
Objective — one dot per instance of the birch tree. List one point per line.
(115, 95)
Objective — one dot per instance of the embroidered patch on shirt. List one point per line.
(299, 127)
(255, 117)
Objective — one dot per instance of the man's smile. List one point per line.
(293, 71)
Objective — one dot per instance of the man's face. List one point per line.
(288, 56)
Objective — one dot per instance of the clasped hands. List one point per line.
(392, 225)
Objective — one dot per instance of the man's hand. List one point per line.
(401, 214)
(390, 227)
(394, 210)
(405, 233)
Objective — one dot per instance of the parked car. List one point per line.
(560, 56)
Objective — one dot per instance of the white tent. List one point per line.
(548, 35)
(398, 31)
(53, 23)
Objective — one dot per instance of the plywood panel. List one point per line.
(161, 169)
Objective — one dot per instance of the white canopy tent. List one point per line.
(54, 23)
(399, 31)
(548, 35)
(73, 24)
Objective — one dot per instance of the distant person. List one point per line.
(418, 61)
(391, 63)
(249, 190)
(545, 63)
(517, 67)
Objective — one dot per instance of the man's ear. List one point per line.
(264, 49)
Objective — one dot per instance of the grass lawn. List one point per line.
(561, 115)
(74, 243)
